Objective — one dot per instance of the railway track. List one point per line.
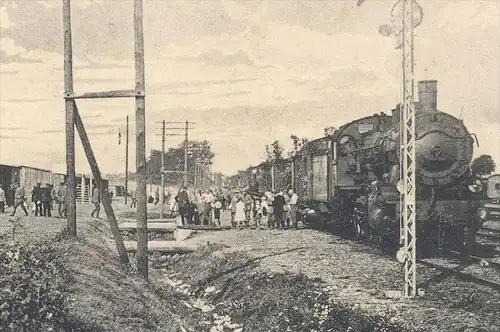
(446, 268)
(461, 275)
(489, 234)
(465, 262)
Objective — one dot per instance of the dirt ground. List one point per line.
(254, 280)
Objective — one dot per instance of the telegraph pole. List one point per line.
(186, 154)
(162, 168)
(126, 164)
(173, 131)
(140, 115)
(70, 119)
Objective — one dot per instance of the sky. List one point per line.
(247, 72)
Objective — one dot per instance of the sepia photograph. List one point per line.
(250, 165)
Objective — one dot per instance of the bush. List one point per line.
(33, 281)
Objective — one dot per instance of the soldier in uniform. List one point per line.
(96, 201)
(46, 200)
(61, 196)
(36, 198)
(19, 200)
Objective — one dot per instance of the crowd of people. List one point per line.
(44, 200)
(272, 210)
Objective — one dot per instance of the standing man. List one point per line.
(2, 200)
(53, 195)
(61, 199)
(248, 207)
(294, 200)
(96, 201)
(207, 211)
(45, 199)
(157, 196)
(36, 198)
(183, 204)
(19, 200)
(279, 204)
(133, 196)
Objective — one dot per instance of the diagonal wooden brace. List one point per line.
(106, 199)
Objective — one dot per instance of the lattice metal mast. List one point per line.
(408, 149)
(406, 15)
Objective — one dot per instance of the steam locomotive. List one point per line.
(351, 179)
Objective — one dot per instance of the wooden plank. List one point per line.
(70, 124)
(165, 220)
(132, 226)
(162, 246)
(203, 227)
(106, 200)
(105, 94)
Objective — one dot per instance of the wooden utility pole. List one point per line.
(162, 168)
(126, 164)
(70, 119)
(186, 154)
(140, 116)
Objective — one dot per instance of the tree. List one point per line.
(298, 144)
(199, 152)
(329, 131)
(483, 165)
(274, 151)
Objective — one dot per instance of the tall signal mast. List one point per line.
(406, 15)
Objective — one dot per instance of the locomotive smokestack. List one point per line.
(427, 96)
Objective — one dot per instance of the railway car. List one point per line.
(26, 176)
(354, 176)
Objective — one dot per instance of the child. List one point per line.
(217, 205)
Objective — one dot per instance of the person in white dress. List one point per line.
(239, 216)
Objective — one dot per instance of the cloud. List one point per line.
(9, 72)
(105, 28)
(231, 94)
(11, 128)
(218, 58)
(162, 87)
(25, 100)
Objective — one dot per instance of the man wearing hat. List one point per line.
(19, 200)
(36, 198)
(45, 199)
(183, 203)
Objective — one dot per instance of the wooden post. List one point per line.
(186, 155)
(82, 186)
(195, 174)
(70, 127)
(140, 116)
(126, 165)
(162, 168)
(106, 201)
